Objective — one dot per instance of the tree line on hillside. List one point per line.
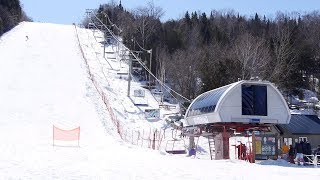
(11, 14)
(200, 51)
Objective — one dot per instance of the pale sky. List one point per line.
(69, 11)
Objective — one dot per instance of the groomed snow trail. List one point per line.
(44, 81)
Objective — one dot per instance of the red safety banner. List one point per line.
(66, 135)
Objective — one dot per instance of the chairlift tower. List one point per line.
(150, 52)
(129, 76)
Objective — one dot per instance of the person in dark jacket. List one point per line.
(291, 154)
(304, 150)
(308, 151)
(299, 151)
(241, 151)
(317, 151)
(304, 146)
(296, 144)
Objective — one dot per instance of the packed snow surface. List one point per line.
(45, 82)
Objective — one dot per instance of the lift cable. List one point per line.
(141, 63)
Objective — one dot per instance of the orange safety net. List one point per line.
(66, 135)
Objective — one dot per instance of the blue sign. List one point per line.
(255, 120)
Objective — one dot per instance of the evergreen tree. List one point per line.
(10, 14)
(194, 18)
(120, 6)
(187, 19)
(204, 29)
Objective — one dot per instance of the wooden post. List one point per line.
(225, 143)
(160, 140)
(253, 147)
(154, 140)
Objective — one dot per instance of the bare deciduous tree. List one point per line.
(284, 61)
(146, 20)
(182, 69)
(252, 54)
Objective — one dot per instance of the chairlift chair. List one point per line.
(176, 145)
(91, 26)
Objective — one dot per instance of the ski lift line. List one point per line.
(94, 49)
(92, 22)
(161, 83)
(112, 24)
(142, 47)
(148, 51)
(93, 33)
(103, 25)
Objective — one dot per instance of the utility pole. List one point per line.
(88, 12)
(129, 76)
(191, 140)
(104, 45)
(104, 49)
(163, 80)
(118, 46)
(150, 51)
(118, 50)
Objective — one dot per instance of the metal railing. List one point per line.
(313, 160)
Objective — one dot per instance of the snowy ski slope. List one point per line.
(44, 82)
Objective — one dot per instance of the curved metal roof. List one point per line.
(206, 102)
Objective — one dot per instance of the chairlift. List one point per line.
(91, 26)
(149, 85)
(138, 69)
(136, 64)
(176, 145)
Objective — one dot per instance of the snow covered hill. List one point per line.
(44, 81)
